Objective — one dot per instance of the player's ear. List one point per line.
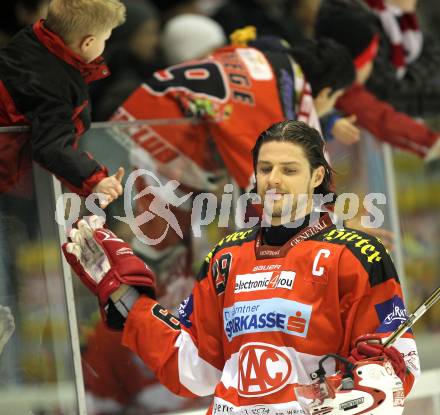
(86, 43)
(318, 176)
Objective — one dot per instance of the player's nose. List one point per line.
(274, 178)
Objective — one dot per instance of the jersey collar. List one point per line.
(267, 251)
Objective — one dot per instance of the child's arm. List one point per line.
(54, 146)
(385, 123)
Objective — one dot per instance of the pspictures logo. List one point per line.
(164, 195)
(262, 369)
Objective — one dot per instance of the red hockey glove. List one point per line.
(369, 345)
(105, 263)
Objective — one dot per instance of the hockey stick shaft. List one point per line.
(430, 301)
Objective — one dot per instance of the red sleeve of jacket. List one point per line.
(88, 184)
(384, 122)
(186, 355)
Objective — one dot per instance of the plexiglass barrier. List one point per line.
(37, 366)
(37, 374)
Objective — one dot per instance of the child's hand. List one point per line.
(111, 187)
(345, 131)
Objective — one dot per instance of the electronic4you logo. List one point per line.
(262, 369)
(264, 281)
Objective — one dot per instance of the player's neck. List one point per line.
(279, 234)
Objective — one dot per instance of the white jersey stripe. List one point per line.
(192, 368)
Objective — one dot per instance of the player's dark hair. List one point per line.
(298, 132)
(325, 63)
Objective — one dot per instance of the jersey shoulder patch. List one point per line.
(367, 249)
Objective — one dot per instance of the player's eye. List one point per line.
(290, 171)
(265, 170)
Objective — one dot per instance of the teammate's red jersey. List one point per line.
(261, 317)
(236, 93)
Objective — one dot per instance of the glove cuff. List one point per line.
(107, 286)
(126, 302)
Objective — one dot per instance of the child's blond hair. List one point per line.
(71, 19)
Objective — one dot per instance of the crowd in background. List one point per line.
(158, 34)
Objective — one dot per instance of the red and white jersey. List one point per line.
(261, 317)
(235, 94)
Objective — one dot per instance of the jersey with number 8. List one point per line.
(236, 93)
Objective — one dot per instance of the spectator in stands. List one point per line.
(270, 17)
(16, 14)
(190, 36)
(405, 71)
(44, 75)
(172, 8)
(352, 25)
(304, 13)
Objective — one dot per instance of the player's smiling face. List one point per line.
(283, 172)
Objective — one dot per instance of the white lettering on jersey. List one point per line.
(262, 369)
(266, 267)
(256, 64)
(319, 271)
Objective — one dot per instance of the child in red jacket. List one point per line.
(44, 77)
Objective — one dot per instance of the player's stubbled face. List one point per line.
(283, 170)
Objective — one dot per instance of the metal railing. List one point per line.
(110, 124)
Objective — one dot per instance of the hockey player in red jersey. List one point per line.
(269, 301)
